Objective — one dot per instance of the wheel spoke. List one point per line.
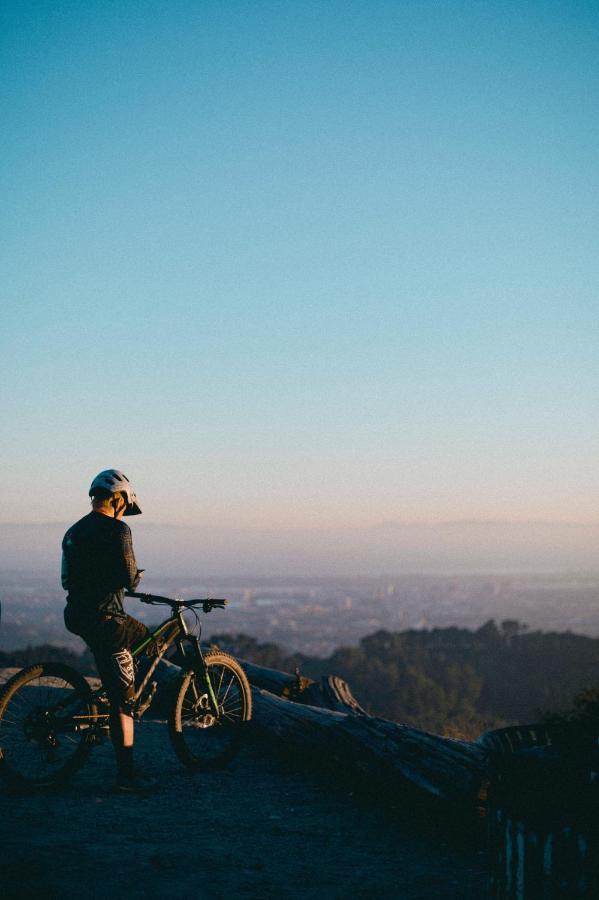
(227, 691)
(39, 739)
(6, 721)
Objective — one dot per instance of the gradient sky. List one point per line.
(301, 264)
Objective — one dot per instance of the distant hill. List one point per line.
(391, 547)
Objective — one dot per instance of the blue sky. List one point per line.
(301, 264)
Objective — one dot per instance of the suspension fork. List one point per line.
(200, 669)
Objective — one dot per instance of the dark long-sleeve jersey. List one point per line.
(98, 564)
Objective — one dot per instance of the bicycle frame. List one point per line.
(179, 635)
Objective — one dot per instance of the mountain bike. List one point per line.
(50, 717)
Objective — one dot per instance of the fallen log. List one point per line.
(321, 721)
(374, 749)
(330, 692)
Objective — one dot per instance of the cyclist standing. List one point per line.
(98, 566)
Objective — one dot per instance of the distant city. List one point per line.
(316, 615)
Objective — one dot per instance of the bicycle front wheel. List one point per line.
(201, 738)
(46, 722)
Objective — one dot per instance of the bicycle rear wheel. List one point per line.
(201, 739)
(46, 722)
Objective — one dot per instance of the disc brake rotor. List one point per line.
(204, 718)
(39, 728)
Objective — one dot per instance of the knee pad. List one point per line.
(124, 670)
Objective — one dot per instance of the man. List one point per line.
(98, 566)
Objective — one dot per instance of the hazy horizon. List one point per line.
(382, 524)
(443, 548)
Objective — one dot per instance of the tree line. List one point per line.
(452, 681)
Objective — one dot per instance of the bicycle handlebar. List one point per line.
(208, 603)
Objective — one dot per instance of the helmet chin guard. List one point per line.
(114, 482)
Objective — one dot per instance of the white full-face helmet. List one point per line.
(112, 481)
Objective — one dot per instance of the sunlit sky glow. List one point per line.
(301, 264)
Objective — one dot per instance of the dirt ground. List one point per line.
(257, 829)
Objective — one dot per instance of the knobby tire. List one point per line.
(201, 740)
(39, 746)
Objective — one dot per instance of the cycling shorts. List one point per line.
(110, 638)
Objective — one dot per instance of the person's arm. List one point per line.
(65, 565)
(129, 574)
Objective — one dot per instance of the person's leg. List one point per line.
(121, 733)
(127, 729)
(116, 672)
(130, 778)
(121, 730)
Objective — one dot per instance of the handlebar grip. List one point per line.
(144, 598)
(207, 605)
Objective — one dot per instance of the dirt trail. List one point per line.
(257, 829)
